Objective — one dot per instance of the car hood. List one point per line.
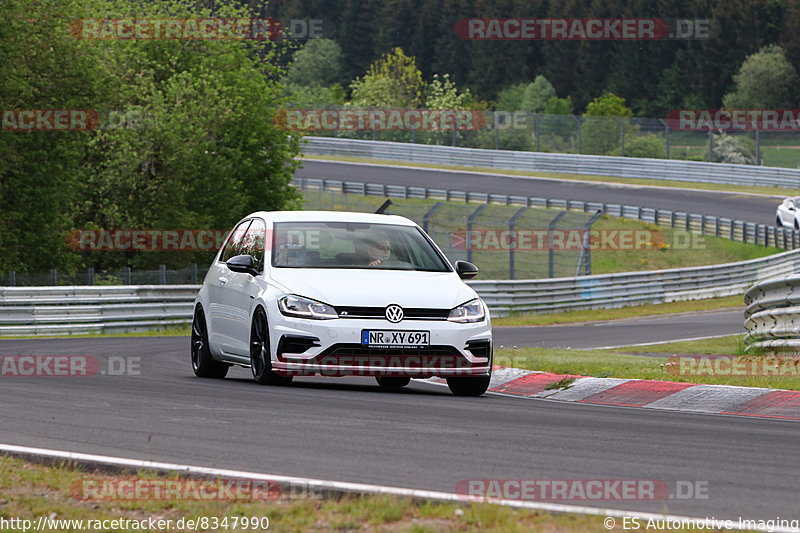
(375, 288)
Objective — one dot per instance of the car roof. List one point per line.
(331, 216)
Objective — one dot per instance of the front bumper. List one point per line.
(333, 348)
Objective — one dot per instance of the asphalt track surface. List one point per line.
(624, 332)
(739, 206)
(346, 429)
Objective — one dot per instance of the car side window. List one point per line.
(253, 243)
(233, 246)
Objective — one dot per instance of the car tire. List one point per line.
(469, 386)
(203, 364)
(796, 225)
(260, 358)
(393, 382)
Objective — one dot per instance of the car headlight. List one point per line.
(300, 307)
(471, 311)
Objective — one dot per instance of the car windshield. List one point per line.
(354, 245)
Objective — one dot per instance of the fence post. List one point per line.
(126, 275)
(710, 145)
(496, 132)
(470, 219)
(537, 132)
(621, 136)
(194, 273)
(53, 277)
(666, 135)
(578, 121)
(585, 258)
(550, 258)
(90, 276)
(162, 274)
(12, 278)
(512, 270)
(427, 216)
(758, 147)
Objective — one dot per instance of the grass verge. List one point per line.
(620, 313)
(631, 363)
(770, 191)
(31, 490)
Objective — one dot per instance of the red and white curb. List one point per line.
(668, 395)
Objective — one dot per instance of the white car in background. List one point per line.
(787, 214)
(301, 293)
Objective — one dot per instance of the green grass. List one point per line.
(593, 315)
(630, 363)
(770, 191)
(30, 490)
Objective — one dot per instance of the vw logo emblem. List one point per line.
(394, 313)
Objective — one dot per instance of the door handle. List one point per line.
(223, 280)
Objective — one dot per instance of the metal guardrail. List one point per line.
(626, 167)
(736, 230)
(772, 315)
(95, 309)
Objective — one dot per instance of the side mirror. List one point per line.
(244, 264)
(466, 270)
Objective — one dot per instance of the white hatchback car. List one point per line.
(787, 213)
(340, 294)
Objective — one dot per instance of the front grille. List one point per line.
(410, 313)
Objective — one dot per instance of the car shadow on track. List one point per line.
(368, 385)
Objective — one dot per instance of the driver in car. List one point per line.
(372, 250)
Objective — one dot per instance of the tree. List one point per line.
(536, 95)
(603, 121)
(442, 93)
(766, 80)
(202, 152)
(392, 81)
(317, 64)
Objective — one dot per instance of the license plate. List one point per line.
(383, 338)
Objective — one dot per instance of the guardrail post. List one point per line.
(90, 276)
(655, 216)
(550, 257)
(716, 226)
(512, 270)
(702, 224)
(672, 219)
(162, 274)
(470, 219)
